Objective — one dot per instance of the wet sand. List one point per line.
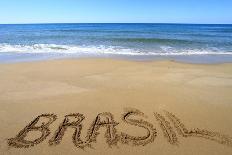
(176, 98)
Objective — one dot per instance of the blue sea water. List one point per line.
(203, 43)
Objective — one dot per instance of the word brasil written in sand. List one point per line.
(112, 136)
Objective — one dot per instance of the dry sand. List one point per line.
(200, 96)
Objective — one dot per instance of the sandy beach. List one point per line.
(137, 107)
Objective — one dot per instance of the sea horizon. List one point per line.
(162, 23)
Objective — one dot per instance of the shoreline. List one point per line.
(186, 59)
(199, 95)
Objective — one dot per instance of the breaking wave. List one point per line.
(101, 49)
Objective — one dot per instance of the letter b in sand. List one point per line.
(20, 140)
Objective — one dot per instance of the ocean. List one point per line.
(197, 43)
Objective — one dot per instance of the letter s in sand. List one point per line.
(140, 140)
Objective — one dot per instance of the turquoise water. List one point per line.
(187, 42)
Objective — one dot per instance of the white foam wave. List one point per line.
(74, 49)
(53, 48)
